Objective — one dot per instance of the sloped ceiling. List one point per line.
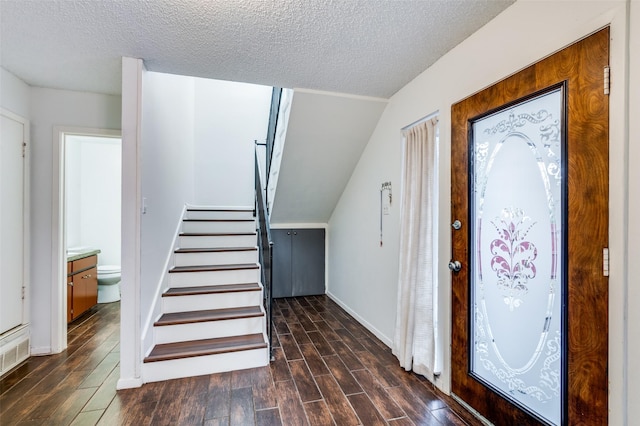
(365, 47)
(325, 138)
(357, 47)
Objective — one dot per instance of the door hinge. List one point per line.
(24, 289)
(607, 79)
(605, 261)
(24, 149)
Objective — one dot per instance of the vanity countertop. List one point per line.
(81, 254)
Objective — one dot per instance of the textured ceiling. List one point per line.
(366, 47)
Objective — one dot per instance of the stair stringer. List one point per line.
(163, 285)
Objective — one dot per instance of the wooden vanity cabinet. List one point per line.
(82, 286)
(69, 298)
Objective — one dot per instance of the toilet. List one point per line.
(108, 283)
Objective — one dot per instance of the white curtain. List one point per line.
(414, 338)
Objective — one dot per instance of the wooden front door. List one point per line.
(529, 160)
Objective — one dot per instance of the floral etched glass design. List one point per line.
(516, 256)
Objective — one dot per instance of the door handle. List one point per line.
(455, 265)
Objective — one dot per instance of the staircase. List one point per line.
(212, 315)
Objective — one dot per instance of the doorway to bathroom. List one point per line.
(89, 229)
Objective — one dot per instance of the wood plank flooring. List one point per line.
(328, 370)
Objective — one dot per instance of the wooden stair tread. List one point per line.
(168, 351)
(211, 289)
(208, 315)
(215, 234)
(214, 249)
(208, 268)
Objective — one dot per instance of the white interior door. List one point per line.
(11, 223)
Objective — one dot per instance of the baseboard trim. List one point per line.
(41, 350)
(129, 383)
(386, 340)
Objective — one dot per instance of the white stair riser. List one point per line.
(200, 278)
(218, 241)
(198, 366)
(219, 215)
(219, 227)
(216, 258)
(202, 302)
(208, 330)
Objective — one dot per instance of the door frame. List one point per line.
(26, 205)
(58, 228)
(581, 371)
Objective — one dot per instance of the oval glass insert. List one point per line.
(516, 235)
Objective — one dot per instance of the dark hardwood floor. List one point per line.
(328, 369)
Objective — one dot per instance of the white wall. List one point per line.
(228, 118)
(73, 191)
(93, 179)
(363, 276)
(14, 94)
(166, 172)
(49, 108)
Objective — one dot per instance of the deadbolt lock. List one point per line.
(455, 266)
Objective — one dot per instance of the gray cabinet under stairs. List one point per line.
(298, 262)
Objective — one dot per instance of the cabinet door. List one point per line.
(298, 262)
(86, 287)
(281, 285)
(92, 288)
(307, 262)
(78, 295)
(69, 299)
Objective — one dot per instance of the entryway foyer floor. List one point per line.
(328, 369)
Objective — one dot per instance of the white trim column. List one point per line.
(130, 343)
(631, 368)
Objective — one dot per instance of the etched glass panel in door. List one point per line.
(517, 252)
